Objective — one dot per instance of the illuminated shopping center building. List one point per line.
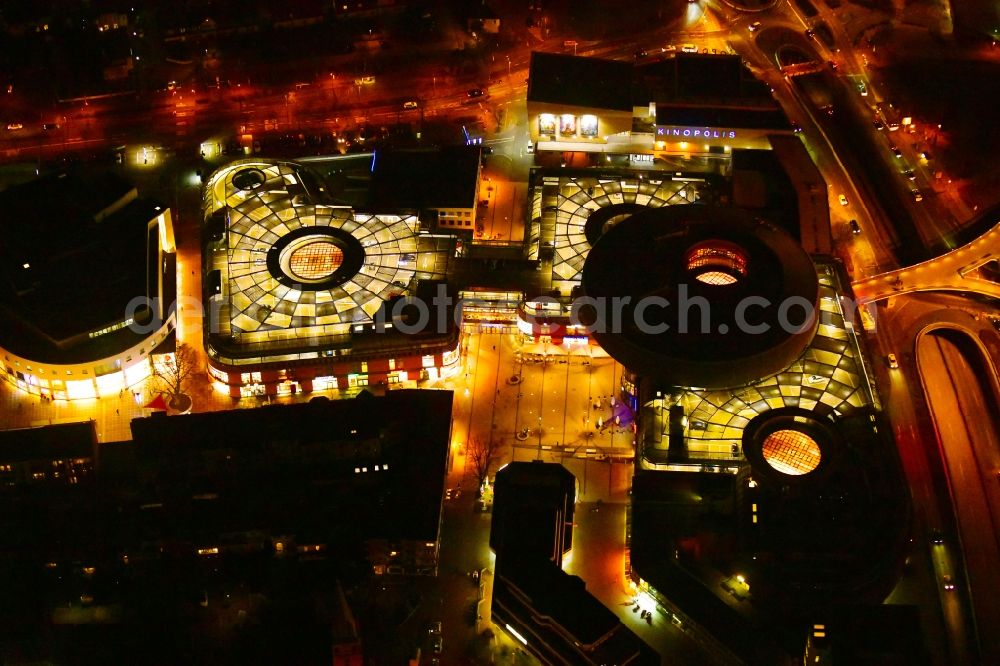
(302, 290)
(87, 281)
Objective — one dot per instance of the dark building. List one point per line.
(440, 184)
(82, 259)
(247, 520)
(533, 506)
(884, 635)
(547, 610)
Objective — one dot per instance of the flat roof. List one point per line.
(51, 442)
(563, 599)
(65, 273)
(701, 77)
(384, 456)
(721, 116)
(425, 178)
(579, 81)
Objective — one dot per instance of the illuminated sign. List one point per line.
(588, 125)
(636, 157)
(696, 133)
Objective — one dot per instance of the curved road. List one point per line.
(963, 407)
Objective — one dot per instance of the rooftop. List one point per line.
(701, 77)
(419, 179)
(52, 442)
(578, 81)
(84, 256)
(383, 456)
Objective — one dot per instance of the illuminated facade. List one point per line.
(684, 104)
(88, 288)
(303, 292)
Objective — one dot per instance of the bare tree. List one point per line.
(482, 453)
(171, 373)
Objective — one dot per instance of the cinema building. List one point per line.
(684, 104)
(87, 279)
(306, 294)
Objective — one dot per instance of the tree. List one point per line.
(172, 371)
(482, 453)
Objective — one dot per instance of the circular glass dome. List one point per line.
(311, 259)
(315, 261)
(791, 452)
(716, 262)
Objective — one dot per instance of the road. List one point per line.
(964, 410)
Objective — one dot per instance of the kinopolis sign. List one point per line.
(694, 132)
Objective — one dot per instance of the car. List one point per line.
(910, 175)
(796, 128)
(436, 645)
(862, 88)
(877, 124)
(917, 196)
(13, 127)
(843, 200)
(410, 104)
(892, 361)
(810, 32)
(855, 227)
(926, 154)
(435, 629)
(896, 151)
(755, 26)
(642, 53)
(937, 537)
(475, 92)
(487, 150)
(947, 582)
(50, 126)
(689, 48)
(531, 148)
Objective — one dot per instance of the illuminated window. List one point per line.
(791, 452)
(717, 262)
